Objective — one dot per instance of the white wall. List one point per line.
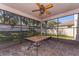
(77, 25)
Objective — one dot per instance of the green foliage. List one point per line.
(60, 36)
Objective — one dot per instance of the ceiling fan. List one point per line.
(43, 9)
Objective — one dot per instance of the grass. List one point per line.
(61, 36)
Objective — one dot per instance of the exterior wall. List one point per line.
(68, 31)
(51, 31)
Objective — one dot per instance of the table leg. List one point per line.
(31, 45)
(34, 44)
(37, 49)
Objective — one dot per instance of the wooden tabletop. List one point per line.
(37, 38)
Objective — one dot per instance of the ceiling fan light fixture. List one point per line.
(43, 9)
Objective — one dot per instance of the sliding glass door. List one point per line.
(62, 28)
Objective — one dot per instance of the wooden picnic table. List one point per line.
(36, 40)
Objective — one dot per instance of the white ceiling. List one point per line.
(57, 9)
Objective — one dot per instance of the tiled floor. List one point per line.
(47, 48)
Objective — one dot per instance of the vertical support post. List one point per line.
(41, 28)
(45, 28)
(4, 16)
(57, 28)
(20, 30)
(76, 26)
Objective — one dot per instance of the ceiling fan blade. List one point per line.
(49, 6)
(38, 4)
(35, 10)
(47, 12)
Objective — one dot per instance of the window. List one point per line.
(62, 27)
(1, 17)
(65, 28)
(14, 27)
